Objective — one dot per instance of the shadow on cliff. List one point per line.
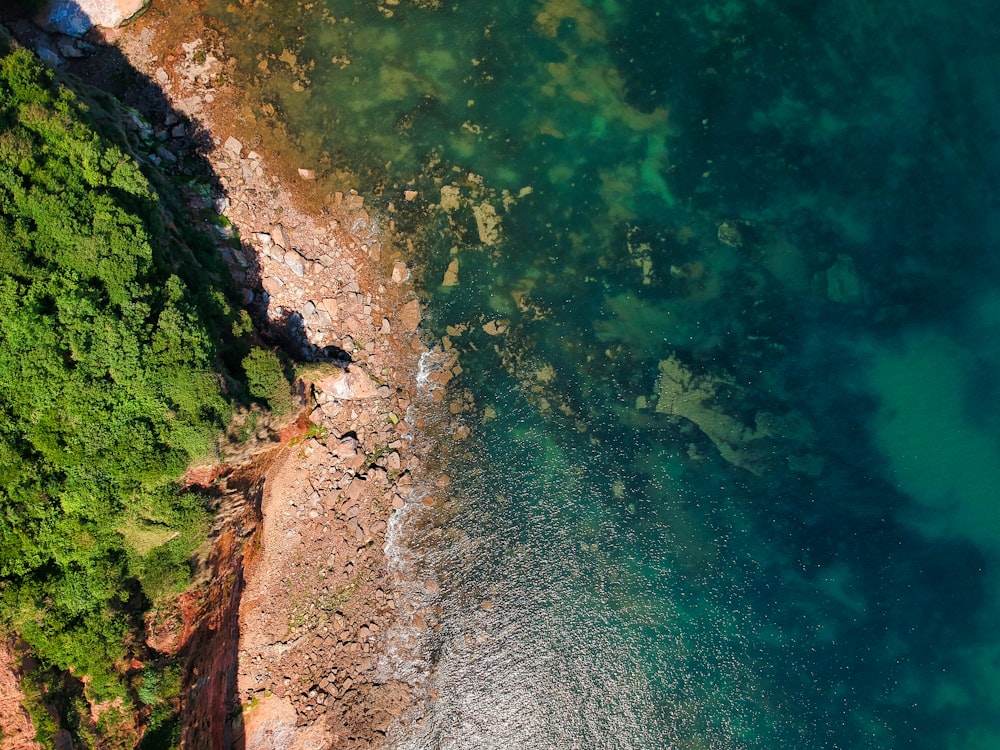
(172, 150)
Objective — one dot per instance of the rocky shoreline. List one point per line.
(318, 600)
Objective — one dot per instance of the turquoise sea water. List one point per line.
(723, 284)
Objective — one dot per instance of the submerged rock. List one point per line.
(841, 282)
(730, 234)
(754, 448)
(487, 223)
(451, 274)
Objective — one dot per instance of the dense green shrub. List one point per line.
(266, 379)
(114, 327)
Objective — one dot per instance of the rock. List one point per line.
(68, 48)
(729, 234)
(272, 285)
(77, 17)
(451, 274)
(410, 194)
(233, 146)
(754, 448)
(353, 385)
(280, 236)
(356, 489)
(330, 304)
(161, 76)
(409, 315)
(496, 327)
(295, 263)
(347, 447)
(487, 223)
(307, 174)
(48, 56)
(269, 723)
(400, 272)
(842, 282)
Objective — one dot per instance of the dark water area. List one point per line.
(723, 284)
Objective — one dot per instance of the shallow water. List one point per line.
(732, 479)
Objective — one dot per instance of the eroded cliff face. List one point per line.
(201, 627)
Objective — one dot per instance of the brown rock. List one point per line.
(233, 146)
(346, 448)
(496, 327)
(451, 274)
(356, 489)
(270, 723)
(409, 315)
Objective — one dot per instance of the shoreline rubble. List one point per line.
(318, 600)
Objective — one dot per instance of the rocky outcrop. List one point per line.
(77, 17)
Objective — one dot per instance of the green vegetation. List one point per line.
(267, 380)
(117, 344)
(317, 431)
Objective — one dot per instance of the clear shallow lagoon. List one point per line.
(734, 473)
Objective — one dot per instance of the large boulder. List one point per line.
(77, 17)
(353, 384)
